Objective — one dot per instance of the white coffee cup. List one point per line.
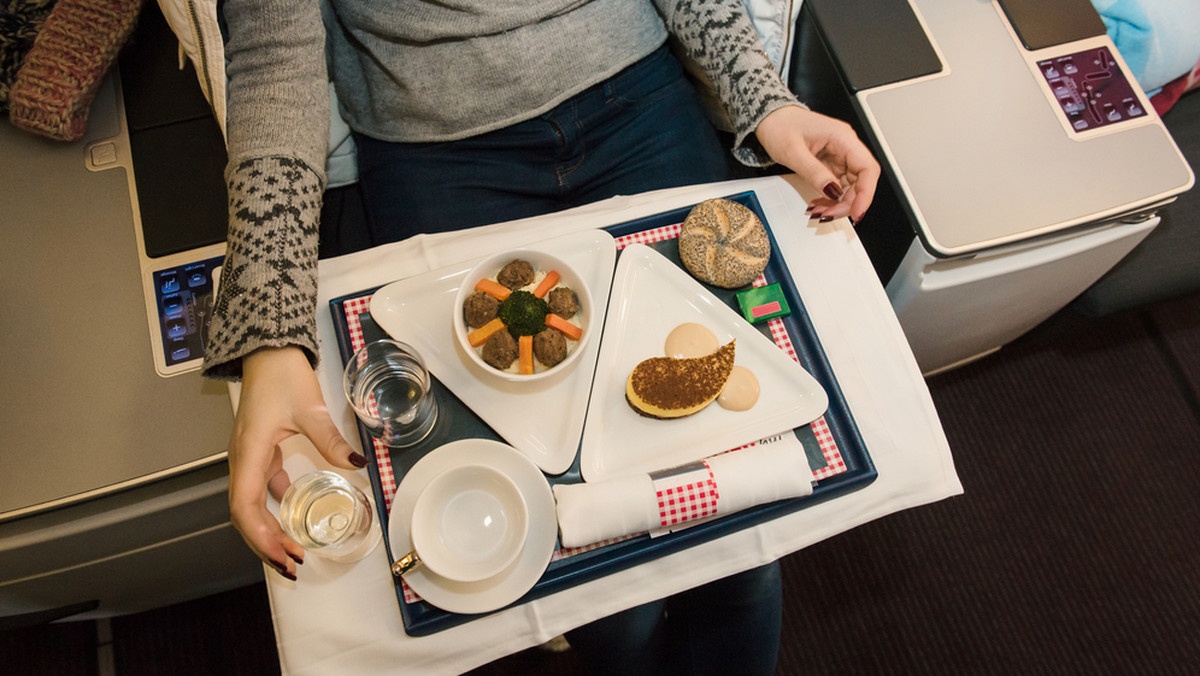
(469, 523)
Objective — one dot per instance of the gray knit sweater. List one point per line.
(417, 70)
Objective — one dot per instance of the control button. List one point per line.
(197, 278)
(169, 284)
(1070, 68)
(181, 354)
(1071, 106)
(1080, 124)
(1133, 108)
(1111, 112)
(1051, 72)
(176, 329)
(103, 154)
(173, 307)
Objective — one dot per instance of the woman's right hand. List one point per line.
(280, 397)
(828, 154)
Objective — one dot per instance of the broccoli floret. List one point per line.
(523, 313)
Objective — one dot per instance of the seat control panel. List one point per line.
(1091, 89)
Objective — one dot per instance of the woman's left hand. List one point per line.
(828, 154)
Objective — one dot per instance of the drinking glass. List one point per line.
(329, 516)
(388, 387)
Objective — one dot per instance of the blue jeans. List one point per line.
(730, 626)
(642, 129)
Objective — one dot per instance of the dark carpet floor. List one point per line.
(1075, 548)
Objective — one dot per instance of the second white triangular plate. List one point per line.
(650, 296)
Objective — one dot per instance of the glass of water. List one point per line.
(329, 516)
(389, 389)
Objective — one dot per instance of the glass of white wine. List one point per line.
(330, 517)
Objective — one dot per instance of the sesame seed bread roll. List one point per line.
(724, 244)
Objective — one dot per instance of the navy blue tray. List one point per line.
(421, 618)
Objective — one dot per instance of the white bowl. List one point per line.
(542, 263)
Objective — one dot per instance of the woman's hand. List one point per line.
(825, 152)
(280, 397)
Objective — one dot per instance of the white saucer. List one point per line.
(496, 592)
(650, 296)
(417, 311)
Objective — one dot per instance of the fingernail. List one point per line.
(282, 570)
(826, 219)
(358, 459)
(832, 190)
(810, 208)
(299, 561)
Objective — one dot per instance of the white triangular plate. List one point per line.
(650, 296)
(542, 419)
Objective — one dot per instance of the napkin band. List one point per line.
(685, 493)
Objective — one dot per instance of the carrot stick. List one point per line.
(492, 288)
(568, 329)
(480, 335)
(525, 355)
(547, 283)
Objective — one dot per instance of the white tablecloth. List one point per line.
(339, 619)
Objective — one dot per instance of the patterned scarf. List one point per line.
(20, 22)
(59, 77)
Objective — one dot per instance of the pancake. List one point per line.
(664, 387)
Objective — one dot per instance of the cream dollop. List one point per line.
(741, 390)
(691, 340)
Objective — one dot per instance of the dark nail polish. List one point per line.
(299, 561)
(826, 219)
(358, 459)
(282, 570)
(810, 208)
(832, 190)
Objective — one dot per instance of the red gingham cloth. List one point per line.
(354, 308)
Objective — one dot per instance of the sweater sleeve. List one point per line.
(718, 37)
(277, 134)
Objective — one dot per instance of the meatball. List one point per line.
(500, 350)
(479, 309)
(563, 302)
(550, 347)
(516, 274)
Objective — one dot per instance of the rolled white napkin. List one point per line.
(772, 469)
